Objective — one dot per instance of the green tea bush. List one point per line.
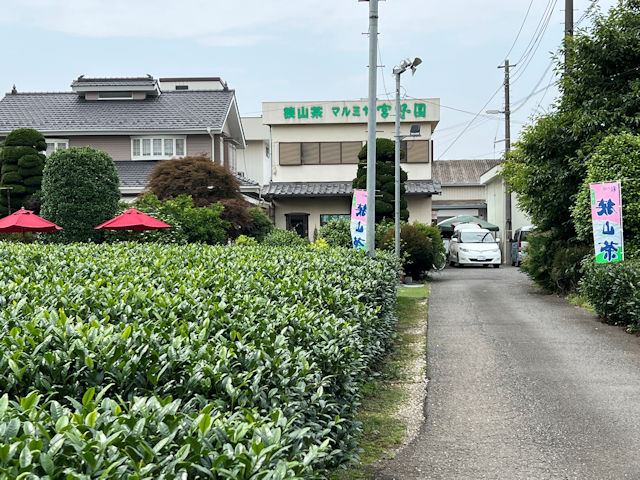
(166, 361)
(284, 238)
(337, 233)
(566, 270)
(614, 291)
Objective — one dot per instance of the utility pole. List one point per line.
(568, 25)
(371, 125)
(507, 144)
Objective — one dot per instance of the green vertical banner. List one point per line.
(606, 216)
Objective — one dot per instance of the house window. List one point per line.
(54, 144)
(326, 217)
(315, 153)
(416, 151)
(157, 148)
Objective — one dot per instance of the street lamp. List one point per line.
(415, 131)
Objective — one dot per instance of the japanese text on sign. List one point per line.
(359, 219)
(606, 216)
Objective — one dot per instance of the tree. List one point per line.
(617, 157)
(206, 183)
(600, 95)
(385, 180)
(21, 163)
(80, 189)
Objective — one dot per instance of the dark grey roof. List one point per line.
(135, 173)
(340, 189)
(461, 172)
(172, 111)
(114, 82)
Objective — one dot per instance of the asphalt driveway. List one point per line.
(522, 386)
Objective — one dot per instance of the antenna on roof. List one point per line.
(14, 90)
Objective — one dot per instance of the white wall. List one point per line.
(313, 206)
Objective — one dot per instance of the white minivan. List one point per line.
(474, 246)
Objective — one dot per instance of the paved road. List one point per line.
(522, 386)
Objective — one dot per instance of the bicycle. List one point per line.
(439, 262)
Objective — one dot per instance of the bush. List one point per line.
(79, 191)
(617, 157)
(284, 238)
(189, 224)
(437, 245)
(614, 291)
(245, 241)
(26, 137)
(337, 233)
(261, 224)
(415, 247)
(566, 270)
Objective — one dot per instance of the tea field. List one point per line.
(145, 361)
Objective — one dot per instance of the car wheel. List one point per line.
(496, 265)
(513, 263)
(458, 264)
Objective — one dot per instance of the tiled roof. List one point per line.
(67, 112)
(135, 173)
(343, 189)
(461, 172)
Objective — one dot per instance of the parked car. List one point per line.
(474, 246)
(519, 245)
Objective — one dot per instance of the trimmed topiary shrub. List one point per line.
(80, 189)
(22, 166)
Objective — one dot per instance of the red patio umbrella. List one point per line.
(26, 221)
(132, 219)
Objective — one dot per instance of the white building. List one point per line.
(497, 209)
(311, 149)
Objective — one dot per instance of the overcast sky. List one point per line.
(305, 50)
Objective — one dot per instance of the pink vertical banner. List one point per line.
(606, 217)
(359, 219)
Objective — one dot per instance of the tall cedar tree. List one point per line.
(21, 163)
(385, 180)
(207, 183)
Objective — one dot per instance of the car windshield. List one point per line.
(473, 236)
(523, 235)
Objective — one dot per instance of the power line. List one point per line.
(470, 122)
(519, 31)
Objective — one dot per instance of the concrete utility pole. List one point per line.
(568, 23)
(507, 145)
(371, 125)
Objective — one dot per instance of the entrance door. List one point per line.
(299, 222)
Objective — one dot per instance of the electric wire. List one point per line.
(520, 31)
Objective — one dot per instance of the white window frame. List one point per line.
(58, 144)
(163, 139)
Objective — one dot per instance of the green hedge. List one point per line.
(155, 361)
(614, 291)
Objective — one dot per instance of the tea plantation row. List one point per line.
(154, 361)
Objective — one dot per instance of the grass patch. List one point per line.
(413, 292)
(383, 395)
(580, 301)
